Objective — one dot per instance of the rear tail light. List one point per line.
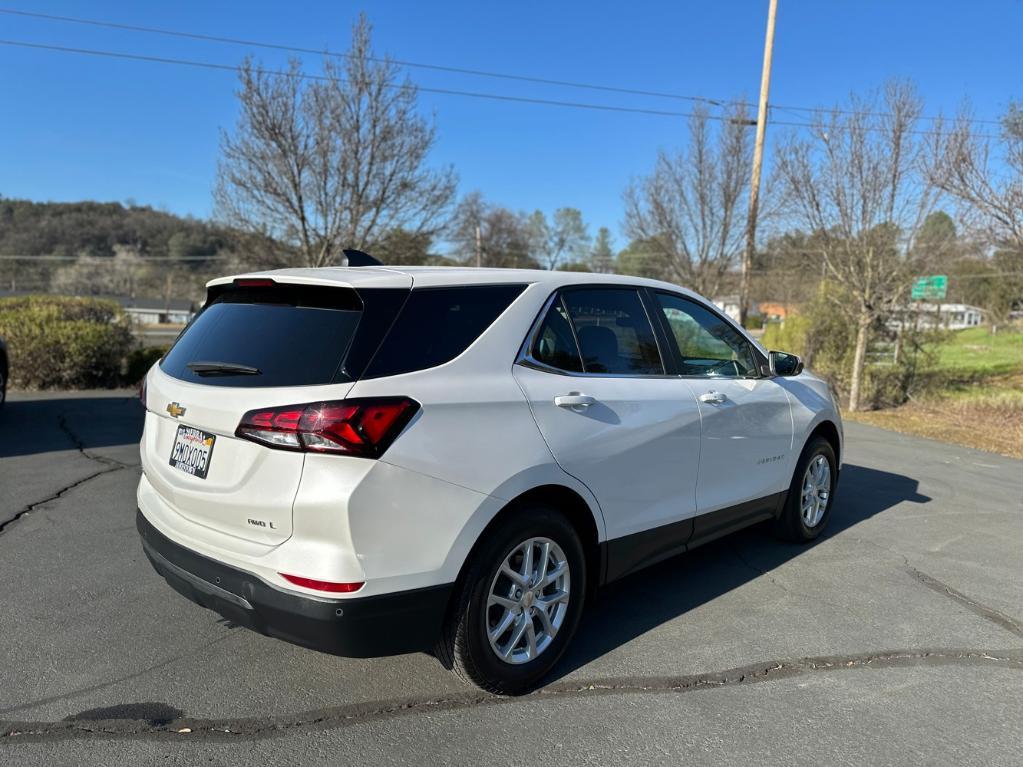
(361, 427)
(142, 390)
(331, 586)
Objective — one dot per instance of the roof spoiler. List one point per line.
(358, 258)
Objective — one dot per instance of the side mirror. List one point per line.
(783, 364)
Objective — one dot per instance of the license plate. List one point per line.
(192, 451)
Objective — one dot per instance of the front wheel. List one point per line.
(519, 603)
(810, 496)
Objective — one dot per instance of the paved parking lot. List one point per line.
(897, 638)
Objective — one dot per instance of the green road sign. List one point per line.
(934, 288)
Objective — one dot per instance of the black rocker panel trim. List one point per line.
(625, 555)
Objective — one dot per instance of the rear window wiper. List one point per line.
(202, 368)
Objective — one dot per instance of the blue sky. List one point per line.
(77, 127)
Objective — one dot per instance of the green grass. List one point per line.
(976, 397)
(980, 354)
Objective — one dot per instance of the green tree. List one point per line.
(564, 237)
(643, 258)
(602, 256)
(994, 283)
(938, 240)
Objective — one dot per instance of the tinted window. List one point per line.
(707, 344)
(292, 337)
(555, 344)
(438, 324)
(614, 331)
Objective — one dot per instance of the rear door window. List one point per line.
(555, 344)
(614, 332)
(285, 336)
(438, 324)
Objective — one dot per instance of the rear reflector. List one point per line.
(329, 586)
(361, 427)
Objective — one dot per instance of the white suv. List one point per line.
(377, 460)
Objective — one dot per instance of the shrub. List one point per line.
(826, 342)
(754, 322)
(140, 360)
(64, 342)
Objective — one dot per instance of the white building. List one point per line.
(729, 305)
(946, 316)
(156, 311)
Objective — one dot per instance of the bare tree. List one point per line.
(121, 275)
(690, 209)
(501, 236)
(330, 162)
(564, 237)
(853, 180)
(984, 175)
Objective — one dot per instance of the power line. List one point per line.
(324, 78)
(440, 67)
(143, 259)
(324, 52)
(401, 86)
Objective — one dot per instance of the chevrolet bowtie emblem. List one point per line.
(175, 410)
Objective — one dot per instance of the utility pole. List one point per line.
(758, 158)
(479, 248)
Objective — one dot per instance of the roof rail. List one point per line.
(358, 258)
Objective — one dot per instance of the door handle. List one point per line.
(712, 397)
(574, 400)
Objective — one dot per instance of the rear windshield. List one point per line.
(290, 335)
(268, 337)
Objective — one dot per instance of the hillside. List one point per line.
(94, 229)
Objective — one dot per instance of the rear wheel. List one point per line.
(519, 603)
(809, 500)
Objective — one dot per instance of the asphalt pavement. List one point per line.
(897, 638)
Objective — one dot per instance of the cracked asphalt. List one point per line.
(896, 638)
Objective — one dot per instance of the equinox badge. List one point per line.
(175, 410)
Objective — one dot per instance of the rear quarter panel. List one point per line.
(474, 431)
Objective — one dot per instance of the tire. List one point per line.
(3, 384)
(803, 525)
(465, 645)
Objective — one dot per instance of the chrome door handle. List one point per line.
(574, 400)
(712, 397)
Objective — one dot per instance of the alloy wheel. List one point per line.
(816, 491)
(528, 600)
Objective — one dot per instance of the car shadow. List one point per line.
(50, 424)
(674, 587)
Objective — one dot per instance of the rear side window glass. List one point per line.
(438, 324)
(555, 342)
(614, 331)
(277, 337)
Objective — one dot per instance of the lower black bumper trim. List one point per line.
(389, 624)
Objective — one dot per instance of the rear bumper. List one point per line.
(388, 624)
